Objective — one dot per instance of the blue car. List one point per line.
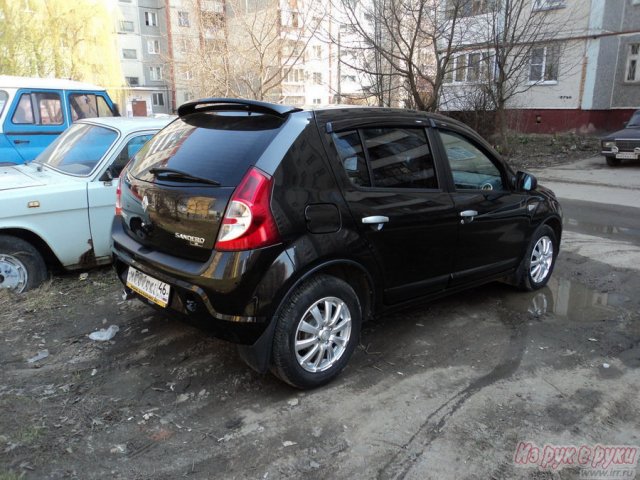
(34, 111)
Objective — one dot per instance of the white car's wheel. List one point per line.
(21, 265)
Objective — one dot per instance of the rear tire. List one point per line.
(316, 333)
(21, 265)
(538, 261)
(613, 161)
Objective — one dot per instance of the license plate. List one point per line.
(149, 287)
(627, 155)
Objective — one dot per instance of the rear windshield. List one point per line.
(218, 146)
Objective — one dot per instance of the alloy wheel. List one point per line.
(541, 259)
(323, 334)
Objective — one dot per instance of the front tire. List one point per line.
(538, 261)
(613, 161)
(317, 331)
(21, 265)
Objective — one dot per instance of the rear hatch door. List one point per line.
(176, 189)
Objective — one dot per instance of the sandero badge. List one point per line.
(285, 228)
(195, 241)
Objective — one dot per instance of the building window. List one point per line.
(155, 73)
(317, 78)
(472, 67)
(544, 64)
(132, 81)
(633, 63)
(469, 8)
(187, 75)
(317, 51)
(157, 99)
(547, 4)
(153, 46)
(188, 96)
(150, 19)
(295, 75)
(126, 26)
(317, 101)
(129, 53)
(183, 19)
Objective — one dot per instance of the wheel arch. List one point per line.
(34, 239)
(556, 225)
(350, 271)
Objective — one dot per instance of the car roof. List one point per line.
(130, 124)
(10, 81)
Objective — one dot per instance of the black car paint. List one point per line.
(317, 211)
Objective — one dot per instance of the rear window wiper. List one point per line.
(172, 173)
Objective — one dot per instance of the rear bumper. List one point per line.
(225, 295)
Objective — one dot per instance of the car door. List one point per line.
(393, 189)
(34, 121)
(101, 192)
(494, 219)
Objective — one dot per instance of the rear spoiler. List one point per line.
(209, 104)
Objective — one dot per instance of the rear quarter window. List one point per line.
(218, 146)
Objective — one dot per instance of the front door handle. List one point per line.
(467, 216)
(377, 221)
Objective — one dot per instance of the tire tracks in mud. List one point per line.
(401, 463)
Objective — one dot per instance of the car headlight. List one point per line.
(608, 144)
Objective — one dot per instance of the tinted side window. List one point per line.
(471, 168)
(103, 107)
(24, 111)
(50, 108)
(400, 157)
(83, 106)
(352, 157)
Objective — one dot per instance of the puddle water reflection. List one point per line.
(569, 299)
(609, 231)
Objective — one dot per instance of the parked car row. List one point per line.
(282, 228)
(57, 210)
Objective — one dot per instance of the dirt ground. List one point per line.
(442, 391)
(544, 150)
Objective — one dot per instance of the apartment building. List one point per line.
(144, 51)
(580, 73)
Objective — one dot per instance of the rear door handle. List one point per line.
(467, 216)
(376, 220)
(18, 142)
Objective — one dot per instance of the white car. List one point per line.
(57, 210)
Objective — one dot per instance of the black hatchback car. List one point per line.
(285, 228)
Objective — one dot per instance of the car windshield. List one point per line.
(78, 150)
(635, 120)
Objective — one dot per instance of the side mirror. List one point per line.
(525, 182)
(116, 110)
(624, 124)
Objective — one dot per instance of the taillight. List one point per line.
(248, 222)
(119, 197)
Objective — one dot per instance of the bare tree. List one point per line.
(399, 45)
(251, 49)
(511, 46)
